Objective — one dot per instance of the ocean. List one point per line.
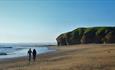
(19, 50)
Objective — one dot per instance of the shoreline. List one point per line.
(50, 48)
(74, 57)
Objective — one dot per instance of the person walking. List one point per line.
(34, 54)
(29, 54)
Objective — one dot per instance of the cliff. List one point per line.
(97, 35)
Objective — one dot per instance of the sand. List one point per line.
(76, 57)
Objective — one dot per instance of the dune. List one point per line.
(74, 57)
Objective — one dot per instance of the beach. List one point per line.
(74, 57)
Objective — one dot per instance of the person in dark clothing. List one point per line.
(34, 54)
(29, 54)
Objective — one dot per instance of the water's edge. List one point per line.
(45, 50)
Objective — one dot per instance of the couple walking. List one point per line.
(30, 53)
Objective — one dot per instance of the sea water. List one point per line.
(19, 51)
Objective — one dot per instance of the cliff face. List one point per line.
(87, 35)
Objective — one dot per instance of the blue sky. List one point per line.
(43, 20)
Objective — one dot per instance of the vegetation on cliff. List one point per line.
(88, 35)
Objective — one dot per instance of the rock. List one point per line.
(87, 35)
(110, 37)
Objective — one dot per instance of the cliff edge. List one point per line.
(97, 35)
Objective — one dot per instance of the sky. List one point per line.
(41, 21)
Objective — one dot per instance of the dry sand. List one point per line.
(76, 57)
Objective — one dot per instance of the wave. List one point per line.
(3, 53)
(6, 47)
(19, 51)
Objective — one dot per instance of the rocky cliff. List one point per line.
(87, 35)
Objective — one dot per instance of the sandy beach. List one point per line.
(76, 57)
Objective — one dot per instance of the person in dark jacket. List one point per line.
(34, 54)
(29, 54)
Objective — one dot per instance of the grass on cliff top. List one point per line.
(80, 31)
(98, 30)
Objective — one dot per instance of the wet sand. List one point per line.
(76, 57)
